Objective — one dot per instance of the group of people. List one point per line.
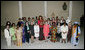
(40, 29)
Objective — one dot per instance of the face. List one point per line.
(7, 26)
(40, 18)
(31, 23)
(26, 23)
(13, 25)
(36, 23)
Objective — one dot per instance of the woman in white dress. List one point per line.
(64, 31)
(7, 35)
(36, 30)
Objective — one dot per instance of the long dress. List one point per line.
(69, 33)
(53, 32)
(64, 29)
(41, 36)
(46, 30)
(12, 32)
(19, 36)
(26, 33)
(23, 35)
(8, 37)
(32, 30)
(75, 37)
(36, 30)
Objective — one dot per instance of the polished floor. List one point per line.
(45, 45)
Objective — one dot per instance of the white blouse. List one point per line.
(36, 28)
(6, 33)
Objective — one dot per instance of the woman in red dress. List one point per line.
(40, 23)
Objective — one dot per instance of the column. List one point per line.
(45, 8)
(20, 9)
(70, 10)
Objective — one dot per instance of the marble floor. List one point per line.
(45, 45)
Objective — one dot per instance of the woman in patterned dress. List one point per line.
(53, 32)
(19, 35)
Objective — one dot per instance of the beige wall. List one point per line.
(9, 11)
(56, 7)
(77, 10)
(32, 8)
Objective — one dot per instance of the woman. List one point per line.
(46, 30)
(36, 30)
(7, 35)
(75, 34)
(69, 32)
(23, 32)
(12, 32)
(27, 31)
(40, 23)
(19, 35)
(32, 32)
(64, 31)
(53, 32)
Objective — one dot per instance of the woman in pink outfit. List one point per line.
(46, 30)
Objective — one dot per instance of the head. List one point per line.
(65, 23)
(62, 18)
(46, 22)
(36, 18)
(40, 17)
(7, 26)
(8, 23)
(36, 23)
(24, 18)
(53, 24)
(17, 26)
(31, 23)
(76, 24)
(48, 19)
(13, 24)
(26, 23)
(28, 18)
(56, 17)
(20, 19)
(32, 19)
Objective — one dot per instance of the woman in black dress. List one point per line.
(32, 32)
(27, 31)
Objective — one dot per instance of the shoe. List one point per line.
(75, 45)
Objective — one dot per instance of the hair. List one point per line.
(28, 17)
(12, 24)
(26, 22)
(9, 23)
(41, 17)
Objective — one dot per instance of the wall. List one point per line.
(32, 8)
(56, 7)
(77, 10)
(9, 11)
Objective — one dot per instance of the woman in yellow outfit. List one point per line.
(19, 35)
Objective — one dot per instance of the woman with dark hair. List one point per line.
(64, 32)
(40, 23)
(53, 32)
(8, 23)
(27, 31)
(18, 33)
(7, 35)
(69, 32)
(12, 32)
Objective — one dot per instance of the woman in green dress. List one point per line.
(12, 32)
